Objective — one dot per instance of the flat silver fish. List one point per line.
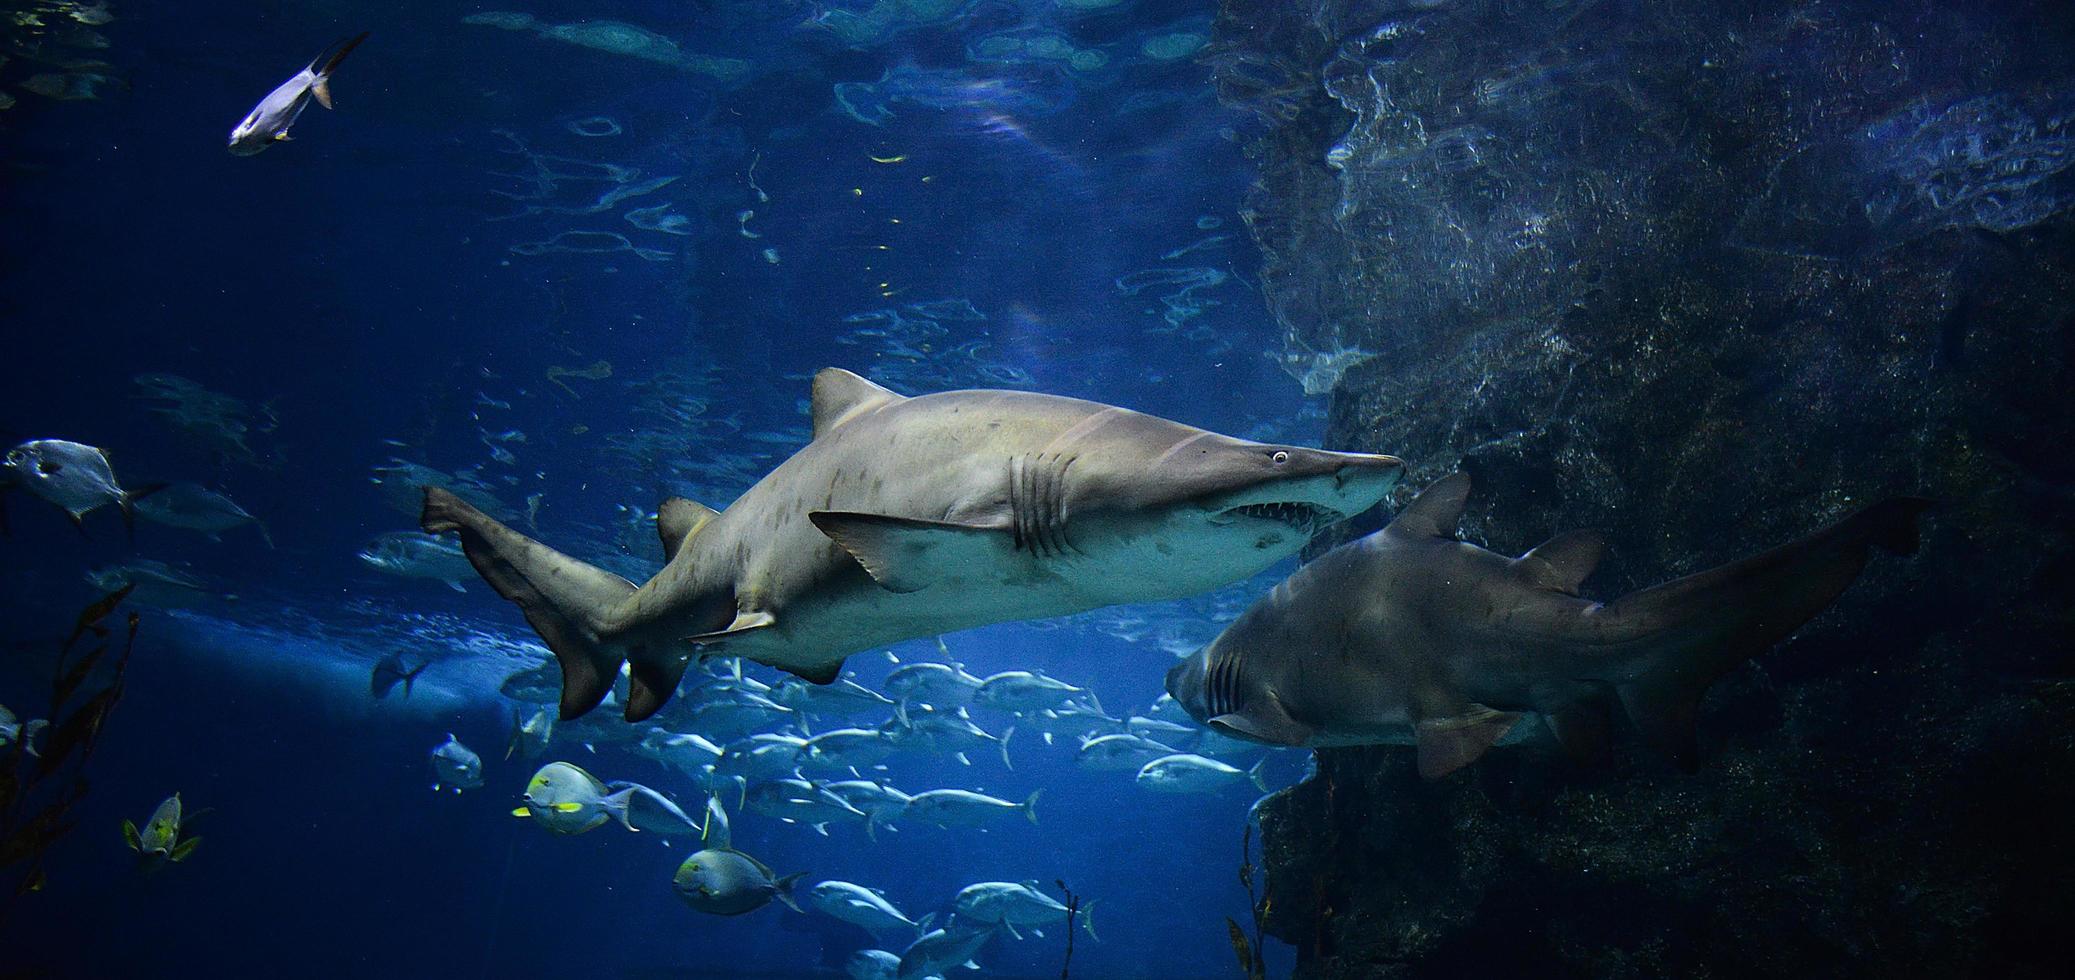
(269, 121)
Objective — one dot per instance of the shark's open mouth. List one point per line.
(1302, 517)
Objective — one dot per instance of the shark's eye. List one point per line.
(1280, 457)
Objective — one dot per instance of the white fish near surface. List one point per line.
(965, 808)
(76, 477)
(1006, 905)
(861, 906)
(410, 554)
(1196, 774)
(455, 766)
(910, 517)
(269, 121)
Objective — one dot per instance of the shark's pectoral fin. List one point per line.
(904, 554)
(1268, 724)
(1448, 744)
(1562, 563)
(745, 622)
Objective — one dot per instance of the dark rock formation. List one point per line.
(1704, 276)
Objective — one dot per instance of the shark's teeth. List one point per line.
(1307, 518)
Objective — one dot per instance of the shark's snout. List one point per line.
(1359, 466)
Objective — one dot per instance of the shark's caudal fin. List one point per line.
(1692, 631)
(564, 599)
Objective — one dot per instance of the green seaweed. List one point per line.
(1251, 961)
(39, 788)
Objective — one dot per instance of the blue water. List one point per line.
(377, 290)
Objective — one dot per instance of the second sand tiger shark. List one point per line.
(1411, 635)
(907, 517)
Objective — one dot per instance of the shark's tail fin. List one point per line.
(564, 599)
(1692, 631)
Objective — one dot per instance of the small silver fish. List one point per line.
(198, 508)
(269, 121)
(455, 766)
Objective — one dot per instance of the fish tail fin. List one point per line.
(264, 534)
(1005, 736)
(1088, 919)
(563, 599)
(1694, 630)
(1254, 774)
(411, 678)
(617, 802)
(324, 66)
(131, 837)
(785, 887)
(1030, 804)
(128, 503)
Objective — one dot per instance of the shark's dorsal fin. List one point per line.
(1561, 563)
(839, 396)
(1437, 509)
(677, 519)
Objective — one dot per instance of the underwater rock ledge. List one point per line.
(1706, 279)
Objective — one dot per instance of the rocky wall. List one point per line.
(1705, 277)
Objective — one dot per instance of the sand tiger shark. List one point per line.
(908, 517)
(1409, 632)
